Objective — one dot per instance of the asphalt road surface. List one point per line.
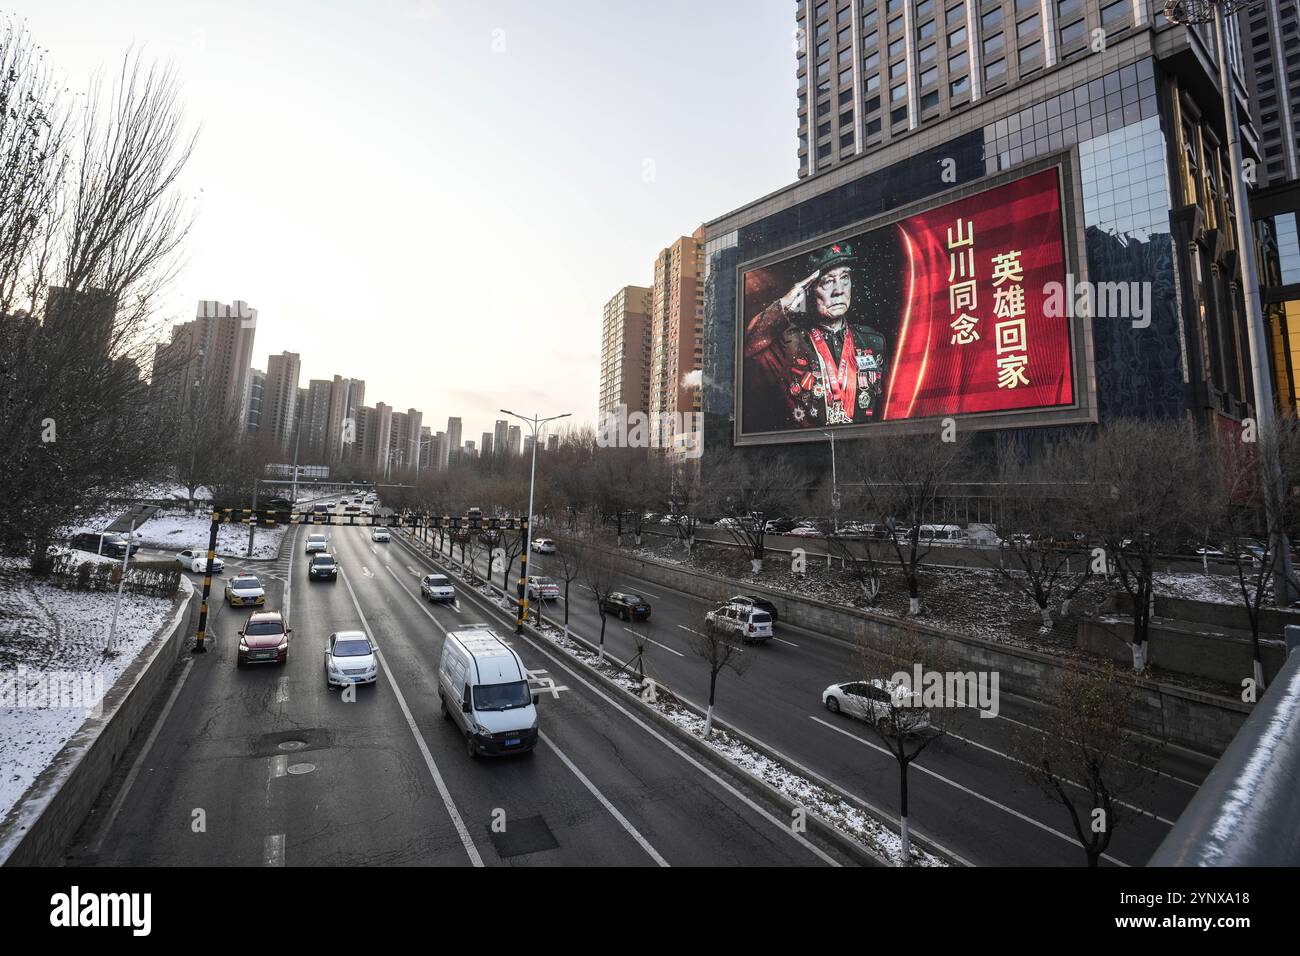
(968, 792)
(266, 766)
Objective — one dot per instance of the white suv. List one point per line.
(317, 542)
(751, 624)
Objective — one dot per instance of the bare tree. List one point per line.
(862, 568)
(1133, 493)
(1031, 530)
(902, 479)
(569, 557)
(1083, 758)
(90, 227)
(719, 648)
(747, 489)
(598, 576)
(898, 711)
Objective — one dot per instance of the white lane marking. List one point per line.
(282, 690)
(279, 766)
(783, 641)
(373, 549)
(640, 591)
(613, 810)
(560, 662)
(273, 852)
(413, 571)
(367, 572)
(685, 628)
(1023, 763)
(653, 641)
(120, 800)
(978, 796)
(470, 849)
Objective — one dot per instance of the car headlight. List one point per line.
(242, 645)
(283, 645)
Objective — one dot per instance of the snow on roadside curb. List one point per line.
(829, 806)
(52, 645)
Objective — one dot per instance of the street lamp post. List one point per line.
(534, 424)
(1189, 12)
(835, 487)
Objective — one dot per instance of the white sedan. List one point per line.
(197, 561)
(543, 545)
(379, 534)
(543, 589)
(875, 701)
(350, 659)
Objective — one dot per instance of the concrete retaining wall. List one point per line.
(41, 825)
(1184, 650)
(1190, 718)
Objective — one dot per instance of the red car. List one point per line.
(264, 639)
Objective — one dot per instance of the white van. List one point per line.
(483, 687)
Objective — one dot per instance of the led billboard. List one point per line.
(937, 314)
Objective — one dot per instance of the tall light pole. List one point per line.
(835, 487)
(535, 424)
(1190, 12)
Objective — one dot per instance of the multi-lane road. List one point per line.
(968, 792)
(266, 766)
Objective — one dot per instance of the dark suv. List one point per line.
(114, 545)
(322, 566)
(627, 606)
(756, 602)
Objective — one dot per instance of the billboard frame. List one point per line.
(1082, 411)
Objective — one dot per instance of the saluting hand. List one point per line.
(796, 300)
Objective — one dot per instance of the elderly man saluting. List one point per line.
(807, 368)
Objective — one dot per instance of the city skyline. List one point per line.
(338, 226)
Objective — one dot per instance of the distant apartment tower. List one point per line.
(500, 436)
(315, 418)
(487, 444)
(280, 399)
(405, 442)
(453, 434)
(512, 441)
(625, 350)
(426, 447)
(213, 352)
(552, 442)
(83, 320)
(441, 455)
(676, 334)
(253, 403)
(1271, 51)
(346, 395)
(528, 444)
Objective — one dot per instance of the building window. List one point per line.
(873, 82)
(873, 128)
(824, 47)
(956, 38)
(927, 53)
(1032, 54)
(993, 44)
(846, 119)
(895, 25)
(844, 36)
(1066, 9)
(823, 70)
(846, 77)
(870, 41)
(898, 116)
(924, 9)
(824, 151)
(1027, 27)
(957, 63)
(896, 49)
(893, 6)
(898, 92)
(872, 61)
(823, 109)
(1074, 33)
(898, 69)
(959, 87)
(823, 29)
(929, 102)
(991, 20)
(926, 30)
(870, 18)
(823, 130)
(956, 14)
(872, 104)
(846, 141)
(997, 70)
(1116, 12)
(930, 76)
(845, 96)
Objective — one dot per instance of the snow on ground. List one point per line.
(179, 530)
(1210, 588)
(826, 804)
(51, 658)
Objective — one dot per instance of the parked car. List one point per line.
(629, 607)
(245, 590)
(543, 589)
(264, 639)
(323, 567)
(725, 522)
(871, 701)
(437, 587)
(754, 601)
(805, 531)
(778, 526)
(750, 623)
(350, 658)
(483, 689)
(543, 546)
(197, 561)
(316, 542)
(109, 543)
(379, 534)
(320, 508)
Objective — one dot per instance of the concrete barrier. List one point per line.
(1182, 648)
(42, 824)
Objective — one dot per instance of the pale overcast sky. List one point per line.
(438, 196)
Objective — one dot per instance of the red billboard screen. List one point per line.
(938, 314)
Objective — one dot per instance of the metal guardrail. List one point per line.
(1247, 812)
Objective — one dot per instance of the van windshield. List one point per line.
(501, 696)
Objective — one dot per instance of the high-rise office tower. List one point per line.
(1271, 54)
(512, 441)
(625, 351)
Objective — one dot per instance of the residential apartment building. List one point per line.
(625, 351)
(676, 342)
